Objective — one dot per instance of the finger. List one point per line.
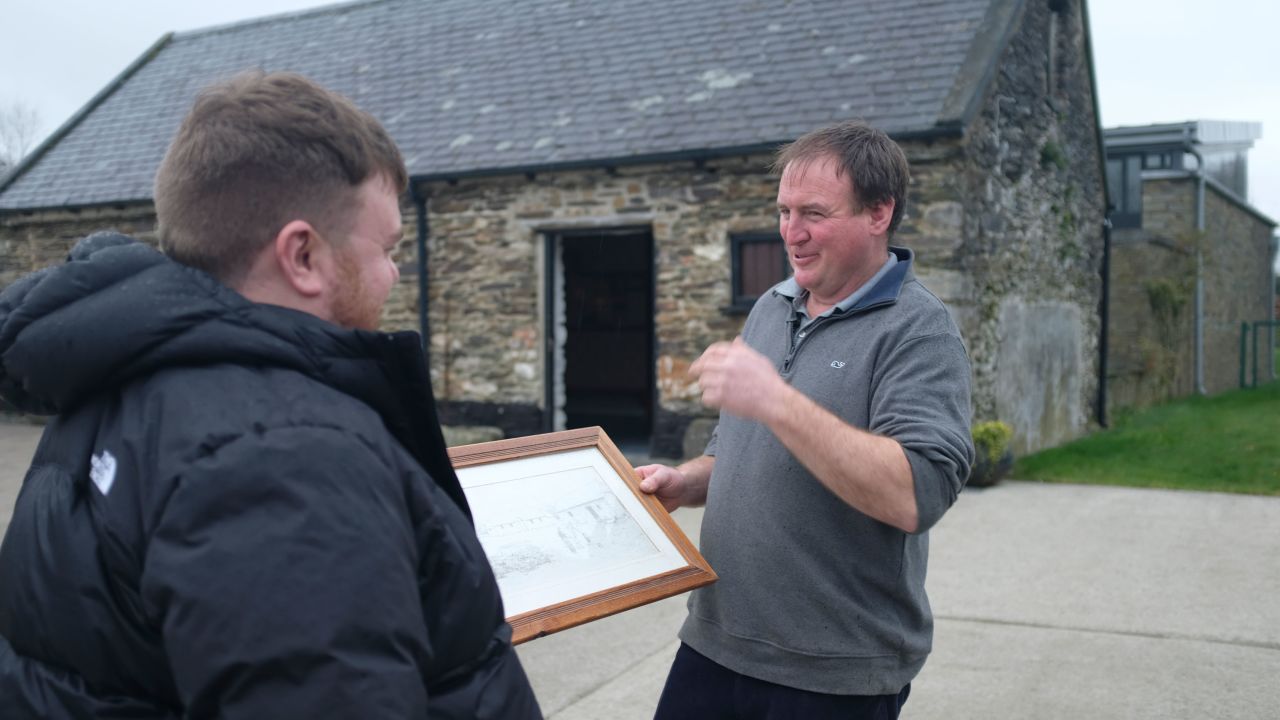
(651, 481)
(696, 368)
(713, 353)
(711, 397)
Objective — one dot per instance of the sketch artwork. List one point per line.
(554, 525)
(548, 531)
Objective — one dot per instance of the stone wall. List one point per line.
(1152, 330)
(486, 289)
(1033, 242)
(32, 240)
(1237, 288)
(29, 241)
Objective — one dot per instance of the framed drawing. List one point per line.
(569, 533)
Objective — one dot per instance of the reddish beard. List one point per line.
(352, 306)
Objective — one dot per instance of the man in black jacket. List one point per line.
(242, 506)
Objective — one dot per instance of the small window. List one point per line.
(759, 263)
(1157, 161)
(1124, 182)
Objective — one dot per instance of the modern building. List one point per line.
(1191, 261)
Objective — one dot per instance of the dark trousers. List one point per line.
(701, 689)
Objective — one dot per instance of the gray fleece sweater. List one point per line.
(813, 594)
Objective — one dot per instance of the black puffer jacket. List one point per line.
(238, 511)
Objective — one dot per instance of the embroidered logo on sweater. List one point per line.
(837, 364)
(103, 471)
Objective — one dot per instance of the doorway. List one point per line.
(601, 358)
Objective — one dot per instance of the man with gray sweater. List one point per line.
(843, 437)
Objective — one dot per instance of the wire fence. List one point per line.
(1259, 359)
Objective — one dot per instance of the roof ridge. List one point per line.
(277, 17)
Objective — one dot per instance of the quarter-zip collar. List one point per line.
(882, 289)
(885, 287)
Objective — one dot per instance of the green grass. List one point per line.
(1226, 443)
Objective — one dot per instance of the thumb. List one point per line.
(647, 482)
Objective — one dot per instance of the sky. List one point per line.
(1155, 60)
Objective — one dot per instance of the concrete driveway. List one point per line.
(1052, 601)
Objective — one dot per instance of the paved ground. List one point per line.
(1053, 601)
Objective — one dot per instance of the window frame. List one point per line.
(1125, 214)
(740, 302)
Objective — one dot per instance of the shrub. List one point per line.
(992, 459)
(991, 439)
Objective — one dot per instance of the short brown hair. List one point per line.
(876, 166)
(257, 152)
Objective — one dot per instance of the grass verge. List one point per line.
(1225, 443)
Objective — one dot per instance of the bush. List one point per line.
(993, 458)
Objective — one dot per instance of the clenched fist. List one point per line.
(736, 378)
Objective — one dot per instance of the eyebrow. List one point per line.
(805, 206)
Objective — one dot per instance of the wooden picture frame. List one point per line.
(568, 532)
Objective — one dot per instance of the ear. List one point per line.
(879, 217)
(303, 258)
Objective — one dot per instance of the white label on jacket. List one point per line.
(103, 471)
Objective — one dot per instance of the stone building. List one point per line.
(1191, 261)
(591, 203)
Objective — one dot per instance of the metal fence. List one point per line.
(1261, 332)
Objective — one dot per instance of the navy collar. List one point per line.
(885, 291)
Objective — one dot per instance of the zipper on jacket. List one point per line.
(795, 339)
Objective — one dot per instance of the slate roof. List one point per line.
(485, 86)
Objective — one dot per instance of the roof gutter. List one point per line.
(587, 163)
(30, 160)
(424, 321)
(1105, 303)
(942, 130)
(1104, 316)
(1271, 275)
(1198, 345)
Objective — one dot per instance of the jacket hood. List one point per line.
(118, 309)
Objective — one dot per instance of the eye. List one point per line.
(784, 212)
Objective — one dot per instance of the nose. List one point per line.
(792, 230)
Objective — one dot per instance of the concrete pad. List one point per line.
(980, 671)
(1159, 562)
(581, 667)
(633, 694)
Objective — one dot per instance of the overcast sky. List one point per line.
(1156, 60)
